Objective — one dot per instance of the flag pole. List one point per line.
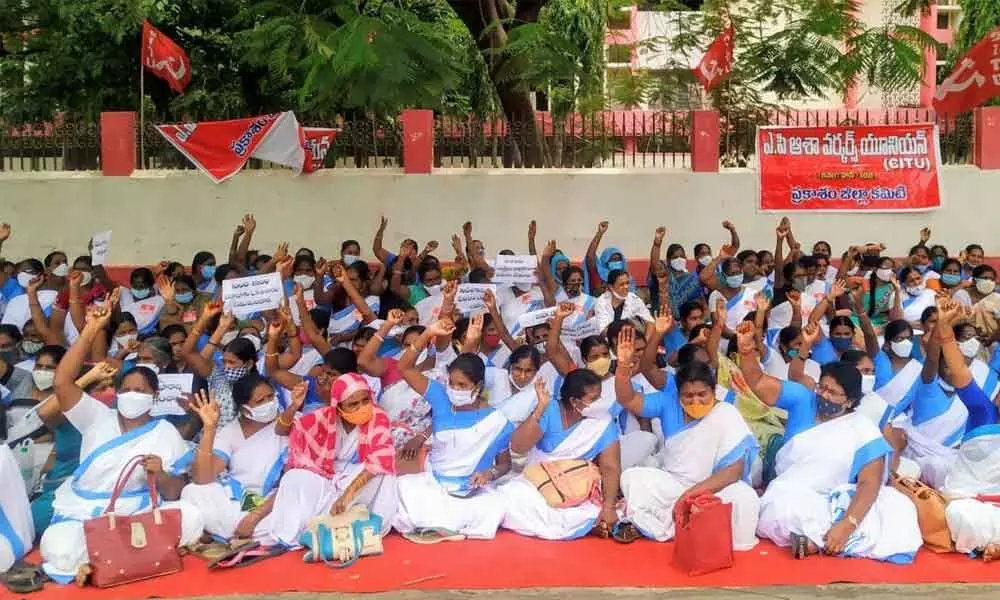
(142, 114)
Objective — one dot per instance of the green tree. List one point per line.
(979, 17)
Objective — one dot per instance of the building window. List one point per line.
(944, 21)
(620, 20)
(620, 53)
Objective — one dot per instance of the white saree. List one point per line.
(974, 520)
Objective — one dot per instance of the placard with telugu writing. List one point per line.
(516, 270)
(173, 387)
(469, 299)
(256, 293)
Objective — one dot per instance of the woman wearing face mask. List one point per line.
(916, 297)
(898, 366)
(789, 346)
(598, 268)
(920, 261)
(250, 451)
(111, 439)
(684, 286)
(726, 284)
(565, 284)
(124, 335)
(454, 498)
(203, 272)
(239, 358)
(182, 303)
(429, 281)
(142, 302)
(618, 303)
(581, 424)
(339, 456)
(703, 256)
(708, 449)
(972, 258)
(57, 268)
(951, 276)
(17, 311)
(972, 349)
(982, 290)
(82, 291)
(361, 307)
(833, 462)
(882, 302)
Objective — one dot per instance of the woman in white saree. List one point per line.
(454, 498)
(111, 438)
(582, 424)
(708, 448)
(830, 493)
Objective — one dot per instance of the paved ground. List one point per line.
(829, 592)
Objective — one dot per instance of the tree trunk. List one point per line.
(525, 143)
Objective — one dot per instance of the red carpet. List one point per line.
(512, 561)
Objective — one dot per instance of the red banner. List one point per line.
(164, 58)
(975, 80)
(877, 168)
(718, 60)
(317, 142)
(221, 148)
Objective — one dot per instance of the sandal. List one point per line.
(991, 552)
(625, 533)
(24, 578)
(245, 555)
(433, 535)
(800, 546)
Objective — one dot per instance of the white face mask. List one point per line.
(884, 274)
(255, 341)
(305, 281)
(916, 290)
(228, 337)
(853, 271)
(61, 271)
(262, 413)
(86, 277)
(867, 384)
(970, 347)
(433, 290)
(540, 346)
(902, 349)
(679, 264)
(597, 408)
(43, 378)
(422, 357)
(705, 260)
(617, 295)
(124, 340)
(522, 387)
(460, 397)
(984, 286)
(24, 279)
(150, 366)
(133, 405)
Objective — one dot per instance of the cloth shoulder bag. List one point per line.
(565, 483)
(704, 534)
(340, 540)
(930, 512)
(125, 549)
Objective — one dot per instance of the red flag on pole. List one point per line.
(718, 60)
(975, 80)
(164, 58)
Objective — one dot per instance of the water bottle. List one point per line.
(26, 463)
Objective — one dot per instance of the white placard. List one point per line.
(516, 270)
(100, 246)
(536, 317)
(256, 293)
(469, 299)
(172, 388)
(581, 330)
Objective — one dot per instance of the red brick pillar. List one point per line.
(418, 140)
(705, 126)
(986, 139)
(118, 143)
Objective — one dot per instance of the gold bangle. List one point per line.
(281, 421)
(271, 354)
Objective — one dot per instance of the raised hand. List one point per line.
(212, 309)
(475, 330)
(661, 232)
(280, 253)
(625, 349)
(664, 321)
(728, 226)
(542, 393)
(442, 327)
(602, 227)
(226, 320)
(925, 235)
(75, 280)
(746, 338)
(763, 304)
(35, 284)
(431, 246)
(382, 223)
(811, 334)
(249, 223)
(838, 289)
(490, 301)
(4, 232)
(450, 290)
(299, 393)
(284, 267)
(395, 316)
(456, 244)
(166, 289)
(275, 327)
(532, 229)
(564, 310)
(206, 407)
(550, 249)
(467, 228)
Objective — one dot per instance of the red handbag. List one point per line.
(704, 534)
(126, 549)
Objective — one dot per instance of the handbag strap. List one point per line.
(123, 477)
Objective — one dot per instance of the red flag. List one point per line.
(975, 80)
(317, 142)
(221, 148)
(164, 58)
(718, 60)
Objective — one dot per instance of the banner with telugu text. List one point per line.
(871, 168)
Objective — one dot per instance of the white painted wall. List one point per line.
(171, 215)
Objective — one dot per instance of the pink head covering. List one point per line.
(346, 385)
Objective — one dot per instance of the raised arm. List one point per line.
(630, 399)
(655, 251)
(49, 336)
(491, 305)
(67, 391)
(781, 234)
(662, 325)
(532, 231)
(200, 364)
(590, 260)
(396, 285)
(767, 388)
(529, 432)
(313, 334)
(239, 256)
(734, 237)
(359, 302)
(272, 355)
(381, 253)
(710, 274)
(207, 465)
(546, 281)
(475, 259)
(407, 363)
(797, 368)
(553, 346)
(368, 360)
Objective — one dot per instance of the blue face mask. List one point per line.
(951, 280)
(184, 298)
(734, 281)
(842, 343)
(207, 271)
(616, 265)
(922, 269)
(350, 259)
(252, 271)
(141, 294)
(793, 353)
(937, 262)
(827, 408)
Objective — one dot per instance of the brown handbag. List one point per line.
(565, 483)
(930, 512)
(124, 549)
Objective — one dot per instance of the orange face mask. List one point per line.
(697, 410)
(360, 416)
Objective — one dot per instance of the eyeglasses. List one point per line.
(828, 391)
